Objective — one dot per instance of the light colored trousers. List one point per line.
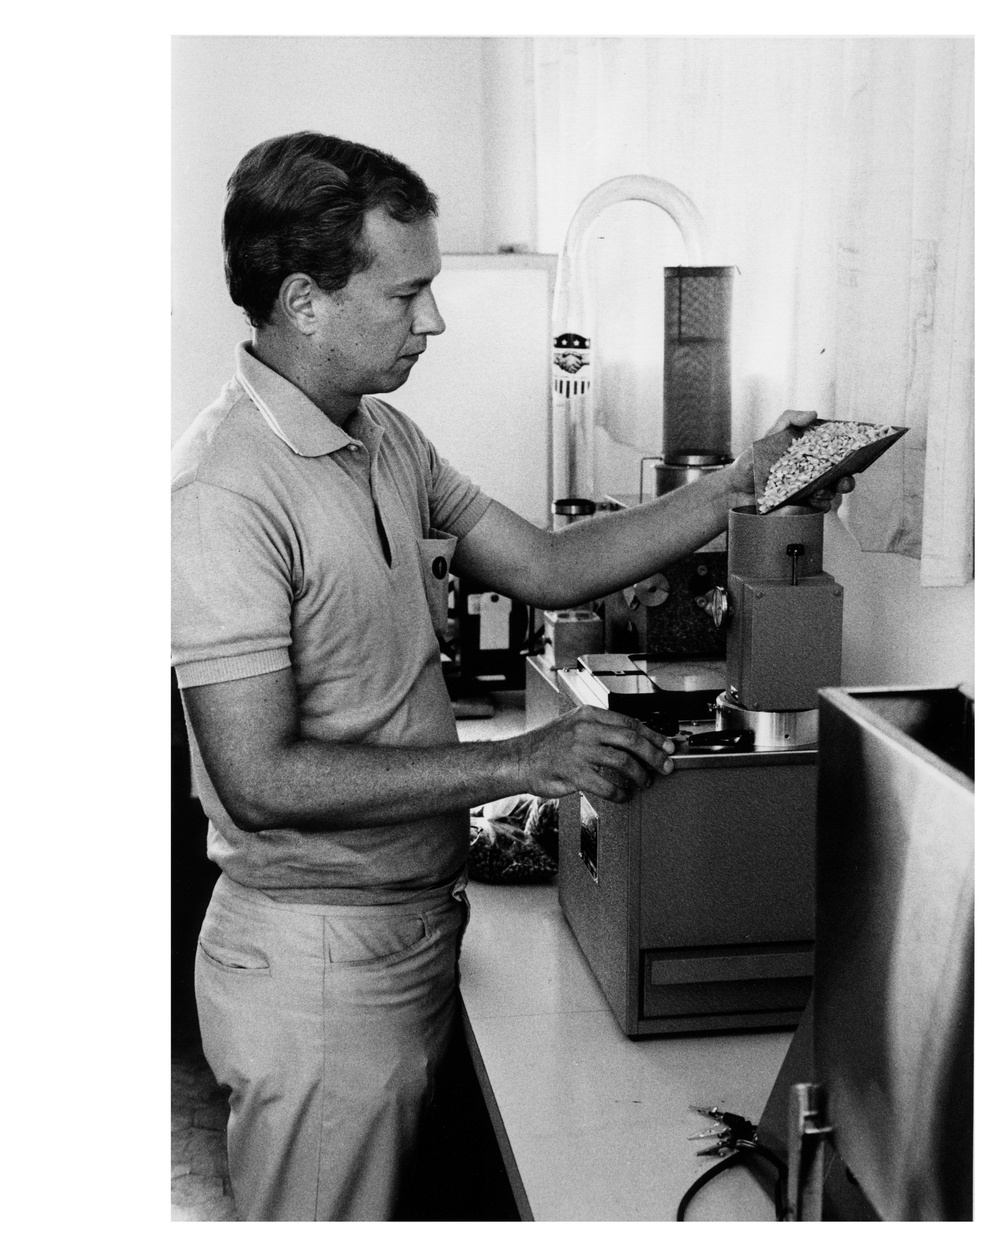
(327, 1024)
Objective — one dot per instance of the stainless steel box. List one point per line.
(894, 952)
(887, 1037)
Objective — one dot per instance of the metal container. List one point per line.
(758, 545)
(785, 614)
(894, 944)
(772, 731)
(687, 467)
(566, 511)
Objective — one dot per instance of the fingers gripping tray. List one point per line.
(794, 463)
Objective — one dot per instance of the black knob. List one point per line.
(796, 551)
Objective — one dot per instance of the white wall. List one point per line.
(897, 632)
(420, 99)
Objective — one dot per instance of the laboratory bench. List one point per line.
(591, 1125)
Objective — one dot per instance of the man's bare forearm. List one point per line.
(598, 556)
(605, 553)
(314, 785)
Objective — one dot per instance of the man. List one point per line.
(314, 529)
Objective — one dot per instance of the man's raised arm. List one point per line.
(598, 556)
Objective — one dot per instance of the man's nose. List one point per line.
(427, 319)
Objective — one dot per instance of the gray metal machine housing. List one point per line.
(693, 903)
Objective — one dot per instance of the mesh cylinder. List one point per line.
(697, 388)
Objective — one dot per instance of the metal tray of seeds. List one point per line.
(824, 469)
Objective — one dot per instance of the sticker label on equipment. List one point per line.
(590, 824)
(493, 611)
(571, 364)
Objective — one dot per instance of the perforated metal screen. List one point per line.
(696, 361)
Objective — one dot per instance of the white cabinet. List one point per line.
(481, 392)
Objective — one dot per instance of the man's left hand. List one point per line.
(742, 470)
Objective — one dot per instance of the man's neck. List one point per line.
(292, 363)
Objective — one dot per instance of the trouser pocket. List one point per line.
(232, 948)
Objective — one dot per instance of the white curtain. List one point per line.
(836, 175)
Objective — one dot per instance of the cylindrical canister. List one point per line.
(566, 511)
(759, 545)
(687, 467)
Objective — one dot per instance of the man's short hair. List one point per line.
(297, 204)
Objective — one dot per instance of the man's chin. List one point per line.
(394, 380)
(389, 386)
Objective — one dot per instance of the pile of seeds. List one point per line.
(818, 449)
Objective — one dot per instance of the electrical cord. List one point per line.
(741, 1149)
(728, 1162)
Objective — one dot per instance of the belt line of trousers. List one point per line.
(327, 1024)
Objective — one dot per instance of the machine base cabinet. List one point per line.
(694, 902)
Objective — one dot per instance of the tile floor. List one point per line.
(199, 1177)
(459, 1174)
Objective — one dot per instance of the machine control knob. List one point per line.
(651, 591)
(796, 551)
(715, 603)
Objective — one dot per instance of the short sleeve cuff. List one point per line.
(471, 516)
(231, 667)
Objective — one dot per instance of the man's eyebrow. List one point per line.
(412, 282)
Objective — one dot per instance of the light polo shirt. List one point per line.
(300, 544)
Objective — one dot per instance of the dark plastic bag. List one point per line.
(514, 841)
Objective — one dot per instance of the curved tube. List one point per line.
(572, 372)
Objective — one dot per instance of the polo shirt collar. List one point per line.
(288, 412)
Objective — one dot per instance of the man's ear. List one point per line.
(296, 302)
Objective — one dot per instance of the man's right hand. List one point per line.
(601, 753)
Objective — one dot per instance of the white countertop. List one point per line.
(593, 1125)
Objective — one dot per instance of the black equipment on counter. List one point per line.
(669, 613)
(490, 636)
(652, 689)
